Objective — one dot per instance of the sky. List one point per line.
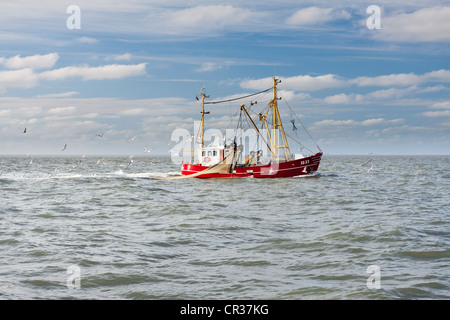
(115, 77)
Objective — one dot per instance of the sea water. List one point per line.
(362, 227)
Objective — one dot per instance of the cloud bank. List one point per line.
(24, 74)
(423, 25)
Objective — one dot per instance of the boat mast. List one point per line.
(203, 116)
(278, 124)
(201, 130)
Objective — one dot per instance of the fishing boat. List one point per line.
(227, 157)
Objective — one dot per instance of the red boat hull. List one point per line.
(284, 169)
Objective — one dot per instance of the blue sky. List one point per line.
(133, 69)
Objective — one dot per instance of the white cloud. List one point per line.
(33, 62)
(368, 122)
(102, 107)
(309, 83)
(292, 96)
(424, 25)
(24, 78)
(59, 95)
(312, 83)
(64, 119)
(134, 112)
(445, 105)
(395, 121)
(438, 75)
(87, 40)
(118, 57)
(391, 93)
(333, 123)
(309, 15)
(401, 79)
(62, 110)
(441, 105)
(343, 98)
(300, 83)
(27, 78)
(433, 88)
(316, 15)
(5, 113)
(113, 71)
(209, 66)
(372, 122)
(435, 114)
(202, 19)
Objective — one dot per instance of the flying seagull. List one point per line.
(25, 130)
(147, 150)
(100, 135)
(293, 124)
(132, 139)
(131, 161)
(65, 146)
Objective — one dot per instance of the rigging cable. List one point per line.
(298, 139)
(229, 100)
(293, 113)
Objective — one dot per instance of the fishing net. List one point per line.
(221, 167)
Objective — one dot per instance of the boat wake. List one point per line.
(17, 177)
(308, 176)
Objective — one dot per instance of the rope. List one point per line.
(239, 98)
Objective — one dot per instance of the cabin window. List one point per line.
(209, 153)
(203, 153)
(214, 153)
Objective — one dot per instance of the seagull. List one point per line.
(370, 168)
(100, 135)
(131, 161)
(25, 130)
(132, 139)
(65, 146)
(147, 150)
(293, 125)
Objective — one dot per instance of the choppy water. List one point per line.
(132, 237)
